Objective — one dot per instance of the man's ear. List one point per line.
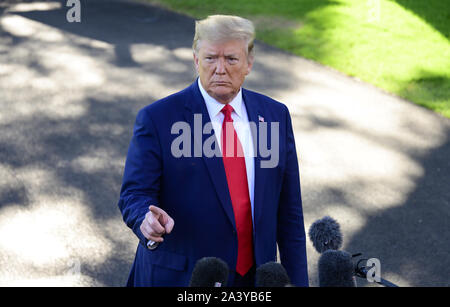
(195, 61)
(250, 60)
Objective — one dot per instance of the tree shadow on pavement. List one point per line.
(411, 239)
(78, 140)
(409, 234)
(71, 95)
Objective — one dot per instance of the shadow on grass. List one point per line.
(429, 90)
(434, 12)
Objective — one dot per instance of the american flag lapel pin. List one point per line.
(260, 118)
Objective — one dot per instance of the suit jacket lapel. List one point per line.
(254, 111)
(195, 105)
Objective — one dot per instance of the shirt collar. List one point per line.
(214, 107)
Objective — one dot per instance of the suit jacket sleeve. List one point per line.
(141, 179)
(291, 232)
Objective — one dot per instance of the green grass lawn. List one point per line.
(401, 46)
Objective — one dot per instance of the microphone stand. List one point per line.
(361, 271)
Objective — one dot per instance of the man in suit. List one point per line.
(214, 191)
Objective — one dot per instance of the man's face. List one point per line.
(222, 68)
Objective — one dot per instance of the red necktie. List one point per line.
(234, 162)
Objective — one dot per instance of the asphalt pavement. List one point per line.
(69, 94)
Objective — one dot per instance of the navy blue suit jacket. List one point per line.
(194, 192)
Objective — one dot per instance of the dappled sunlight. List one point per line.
(349, 219)
(348, 138)
(383, 42)
(36, 6)
(360, 138)
(361, 154)
(185, 54)
(74, 68)
(50, 226)
(59, 64)
(69, 97)
(367, 161)
(111, 129)
(61, 74)
(145, 54)
(68, 280)
(51, 238)
(18, 26)
(41, 183)
(95, 161)
(398, 279)
(50, 232)
(66, 121)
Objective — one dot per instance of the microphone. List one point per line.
(209, 272)
(271, 274)
(325, 234)
(336, 269)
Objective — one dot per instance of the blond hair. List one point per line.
(218, 28)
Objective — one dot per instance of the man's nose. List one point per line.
(220, 68)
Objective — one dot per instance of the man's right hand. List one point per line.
(156, 223)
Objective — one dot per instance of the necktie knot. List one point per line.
(226, 110)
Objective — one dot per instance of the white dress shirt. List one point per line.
(242, 127)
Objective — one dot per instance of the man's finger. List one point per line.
(163, 218)
(156, 211)
(156, 239)
(169, 225)
(145, 231)
(156, 226)
(149, 234)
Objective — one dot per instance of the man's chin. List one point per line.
(223, 96)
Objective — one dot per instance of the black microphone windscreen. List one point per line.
(209, 272)
(325, 234)
(271, 274)
(336, 269)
